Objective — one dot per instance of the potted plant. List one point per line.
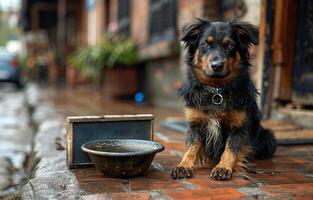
(84, 64)
(111, 64)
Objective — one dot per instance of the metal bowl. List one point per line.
(122, 157)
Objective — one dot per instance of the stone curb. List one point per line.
(15, 139)
(51, 179)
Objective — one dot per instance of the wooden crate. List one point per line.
(83, 129)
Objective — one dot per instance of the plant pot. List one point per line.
(120, 81)
(74, 77)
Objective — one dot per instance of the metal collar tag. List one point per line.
(217, 98)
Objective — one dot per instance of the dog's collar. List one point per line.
(217, 97)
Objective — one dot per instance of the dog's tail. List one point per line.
(264, 144)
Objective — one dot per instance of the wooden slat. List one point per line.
(283, 45)
(289, 30)
(72, 119)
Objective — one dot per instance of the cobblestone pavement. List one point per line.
(289, 175)
(15, 137)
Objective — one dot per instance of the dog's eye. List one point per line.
(230, 46)
(205, 44)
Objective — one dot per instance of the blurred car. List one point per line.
(9, 67)
(14, 46)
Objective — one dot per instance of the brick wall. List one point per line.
(99, 19)
(163, 78)
(83, 23)
(92, 27)
(113, 15)
(188, 10)
(139, 21)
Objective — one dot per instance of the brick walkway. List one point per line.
(289, 175)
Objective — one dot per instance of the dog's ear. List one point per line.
(191, 32)
(246, 33)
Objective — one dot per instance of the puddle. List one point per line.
(13, 122)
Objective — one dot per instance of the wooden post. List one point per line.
(61, 34)
(261, 49)
(34, 18)
(281, 69)
(61, 38)
(267, 78)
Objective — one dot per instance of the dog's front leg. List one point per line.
(188, 163)
(192, 157)
(233, 157)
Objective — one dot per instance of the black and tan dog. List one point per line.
(224, 120)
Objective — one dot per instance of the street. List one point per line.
(15, 137)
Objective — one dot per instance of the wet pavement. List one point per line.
(15, 136)
(289, 175)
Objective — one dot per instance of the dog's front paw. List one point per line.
(181, 172)
(221, 174)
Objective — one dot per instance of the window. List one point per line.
(162, 23)
(124, 16)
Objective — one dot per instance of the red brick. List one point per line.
(295, 150)
(167, 161)
(202, 172)
(284, 164)
(89, 174)
(95, 187)
(278, 125)
(303, 197)
(152, 184)
(281, 178)
(119, 196)
(218, 193)
(175, 146)
(291, 190)
(171, 136)
(154, 174)
(205, 183)
(298, 160)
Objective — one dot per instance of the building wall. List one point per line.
(253, 16)
(99, 19)
(139, 22)
(92, 27)
(95, 20)
(82, 23)
(113, 25)
(163, 79)
(253, 12)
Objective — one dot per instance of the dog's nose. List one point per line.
(217, 64)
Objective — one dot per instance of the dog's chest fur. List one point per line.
(214, 127)
(212, 123)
